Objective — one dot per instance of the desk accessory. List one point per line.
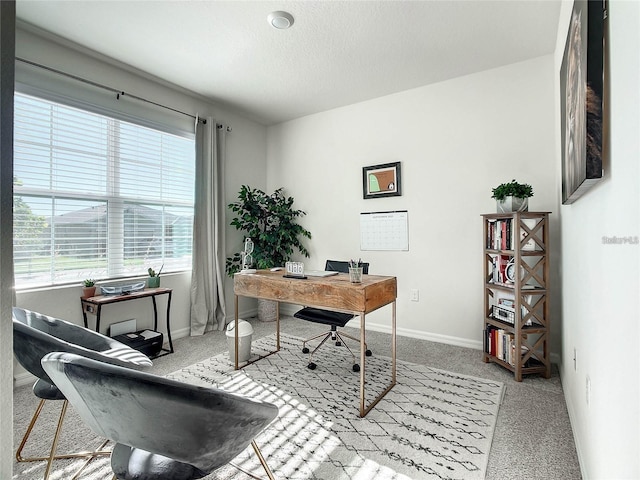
(294, 269)
(122, 289)
(247, 258)
(355, 271)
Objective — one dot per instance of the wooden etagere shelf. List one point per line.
(516, 281)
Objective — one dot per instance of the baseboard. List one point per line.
(289, 309)
(421, 335)
(573, 421)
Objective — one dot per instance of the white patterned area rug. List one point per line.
(433, 424)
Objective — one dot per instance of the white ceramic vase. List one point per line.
(512, 204)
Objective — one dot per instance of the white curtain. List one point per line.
(208, 310)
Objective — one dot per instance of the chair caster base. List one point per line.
(368, 353)
(305, 350)
(311, 366)
(356, 367)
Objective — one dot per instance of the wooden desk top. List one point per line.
(104, 299)
(335, 292)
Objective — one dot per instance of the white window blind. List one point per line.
(97, 197)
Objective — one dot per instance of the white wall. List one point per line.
(246, 163)
(600, 281)
(456, 140)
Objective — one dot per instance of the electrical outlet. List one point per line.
(588, 390)
(415, 295)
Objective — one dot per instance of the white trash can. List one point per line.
(245, 331)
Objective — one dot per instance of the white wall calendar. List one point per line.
(384, 230)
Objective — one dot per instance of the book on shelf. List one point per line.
(500, 234)
(500, 344)
(499, 266)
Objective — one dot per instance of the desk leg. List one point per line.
(277, 326)
(236, 332)
(366, 409)
(362, 364)
(393, 343)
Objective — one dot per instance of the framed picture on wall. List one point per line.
(381, 180)
(581, 92)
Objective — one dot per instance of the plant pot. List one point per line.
(267, 310)
(88, 292)
(512, 204)
(153, 282)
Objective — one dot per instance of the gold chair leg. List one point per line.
(52, 456)
(19, 457)
(323, 334)
(90, 459)
(357, 340)
(56, 437)
(262, 460)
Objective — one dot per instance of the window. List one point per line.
(97, 197)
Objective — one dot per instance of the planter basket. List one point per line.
(512, 204)
(267, 310)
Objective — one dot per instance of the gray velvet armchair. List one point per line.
(163, 429)
(34, 336)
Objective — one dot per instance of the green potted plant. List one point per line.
(88, 288)
(271, 223)
(512, 196)
(154, 278)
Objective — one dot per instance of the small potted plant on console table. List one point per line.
(154, 278)
(88, 288)
(512, 197)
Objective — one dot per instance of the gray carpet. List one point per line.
(532, 439)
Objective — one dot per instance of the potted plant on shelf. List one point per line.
(154, 278)
(88, 288)
(271, 223)
(512, 196)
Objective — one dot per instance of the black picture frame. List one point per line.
(581, 99)
(382, 180)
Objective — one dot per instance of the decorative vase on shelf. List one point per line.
(153, 282)
(512, 204)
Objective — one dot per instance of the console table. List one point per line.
(330, 293)
(93, 305)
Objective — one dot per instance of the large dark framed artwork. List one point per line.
(581, 93)
(381, 180)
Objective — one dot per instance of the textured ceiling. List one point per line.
(336, 53)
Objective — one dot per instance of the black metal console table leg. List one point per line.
(168, 325)
(155, 319)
